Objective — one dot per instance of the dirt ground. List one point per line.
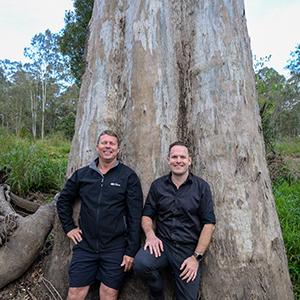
(31, 286)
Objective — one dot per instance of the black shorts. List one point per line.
(86, 267)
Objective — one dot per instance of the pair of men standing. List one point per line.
(108, 236)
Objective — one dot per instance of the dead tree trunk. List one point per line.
(159, 71)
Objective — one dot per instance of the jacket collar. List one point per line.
(94, 165)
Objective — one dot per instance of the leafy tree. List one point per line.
(37, 91)
(278, 99)
(63, 117)
(48, 67)
(74, 36)
(14, 95)
(3, 95)
(270, 87)
(294, 63)
(294, 91)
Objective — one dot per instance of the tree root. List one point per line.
(24, 204)
(21, 238)
(8, 224)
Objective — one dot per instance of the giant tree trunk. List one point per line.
(159, 71)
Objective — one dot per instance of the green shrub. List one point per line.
(287, 197)
(288, 147)
(33, 166)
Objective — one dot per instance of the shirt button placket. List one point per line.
(174, 212)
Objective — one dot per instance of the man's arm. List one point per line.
(152, 241)
(149, 214)
(65, 209)
(190, 265)
(205, 238)
(134, 200)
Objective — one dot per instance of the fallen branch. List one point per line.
(22, 203)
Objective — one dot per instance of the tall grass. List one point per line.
(287, 197)
(288, 147)
(286, 188)
(33, 166)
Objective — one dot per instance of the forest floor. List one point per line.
(31, 285)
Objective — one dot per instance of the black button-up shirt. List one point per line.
(180, 213)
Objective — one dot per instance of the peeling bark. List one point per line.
(159, 71)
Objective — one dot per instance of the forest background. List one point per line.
(38, 102)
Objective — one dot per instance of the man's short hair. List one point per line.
(179, 143)
(110, 133)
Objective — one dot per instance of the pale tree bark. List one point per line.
(33, 106)
(159, 71)
(44, 99)
(18, 119)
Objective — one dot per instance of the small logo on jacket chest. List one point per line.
(115, 184)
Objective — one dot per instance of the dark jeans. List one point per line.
(148, 266)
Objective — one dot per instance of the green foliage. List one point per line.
(74, 36)
(26, 99)
(285, 165)
(33, 166)
(294, 62)
(289, 147)
(286, 189)
(279, 102)
(287, 199)
(65, 112)
(46, 61)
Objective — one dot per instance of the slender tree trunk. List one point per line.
(44, 99)
(159, 71)
(18, 120)
(2, 119)
(33, 113)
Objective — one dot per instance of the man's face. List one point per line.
(108, 148)
(179, 160)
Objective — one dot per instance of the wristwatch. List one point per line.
(198, 256)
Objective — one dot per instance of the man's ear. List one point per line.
(168, 159)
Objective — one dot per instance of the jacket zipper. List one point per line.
(98, 210)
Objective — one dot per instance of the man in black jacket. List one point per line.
(108, 235)
(182, 206)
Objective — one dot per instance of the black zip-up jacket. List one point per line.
(111, 207)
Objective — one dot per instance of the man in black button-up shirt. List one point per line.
(182, 206)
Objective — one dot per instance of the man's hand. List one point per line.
(127, 263)
(189, 269)
(155, 245)
(75, 235)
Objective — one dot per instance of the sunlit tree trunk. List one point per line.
(44, 99)
(159, 71)
(33, 106)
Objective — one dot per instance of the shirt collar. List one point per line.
(188, 180)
